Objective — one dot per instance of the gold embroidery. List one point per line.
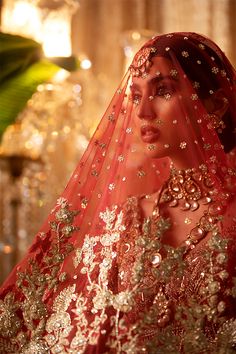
(59, 323)
(124, 297)
(9, 321)
(40, 277)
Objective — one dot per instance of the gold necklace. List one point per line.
(187, 189)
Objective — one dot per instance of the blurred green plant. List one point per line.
(22, 68)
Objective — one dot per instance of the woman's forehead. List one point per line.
(161, 68)
(161, 64)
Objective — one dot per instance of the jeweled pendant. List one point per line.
(216, 209)
(194, 206)
(206, 200)
(173, 203)
(180, 178)
(176, 188)
(197, 233)
(210, 219)
(190, 188)
(186, 206)
(156, 259)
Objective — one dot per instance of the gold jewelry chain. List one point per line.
(186, 188)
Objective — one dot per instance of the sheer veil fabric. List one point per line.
(137, 256)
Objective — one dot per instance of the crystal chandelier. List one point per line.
(46, 21)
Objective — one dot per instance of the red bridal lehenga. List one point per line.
(138, 254)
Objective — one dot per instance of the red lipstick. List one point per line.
(149, 134)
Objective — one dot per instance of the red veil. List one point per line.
(107, 275)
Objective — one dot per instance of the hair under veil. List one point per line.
(104, 275)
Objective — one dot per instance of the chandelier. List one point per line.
(46, 21)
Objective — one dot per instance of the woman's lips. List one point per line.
(149, 134)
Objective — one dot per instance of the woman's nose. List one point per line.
(145, 109)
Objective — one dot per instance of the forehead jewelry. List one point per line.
(142, 61)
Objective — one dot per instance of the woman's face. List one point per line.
(159, 110)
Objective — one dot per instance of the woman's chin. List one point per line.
(155, 151)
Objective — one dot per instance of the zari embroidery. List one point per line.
(25, 321)
(133, 305)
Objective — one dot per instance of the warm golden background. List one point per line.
(42, 144)
(99, 24)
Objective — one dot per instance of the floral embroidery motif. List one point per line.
(123, 285)
(25, 321)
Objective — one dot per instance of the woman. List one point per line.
(137, 255)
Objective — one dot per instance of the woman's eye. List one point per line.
(136, 98)
(163, 91)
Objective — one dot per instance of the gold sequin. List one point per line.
(129, 130)
(215, 70)
(173, 73)
(183, 145)
(185, 54)
(111, 186)
(141, 173)
(121, 158)
(194, 97)
(187, 221)
(151, 147)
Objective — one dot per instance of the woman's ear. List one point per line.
(217, 103)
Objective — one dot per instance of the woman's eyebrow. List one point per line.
(160, 78)
(153, 80)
